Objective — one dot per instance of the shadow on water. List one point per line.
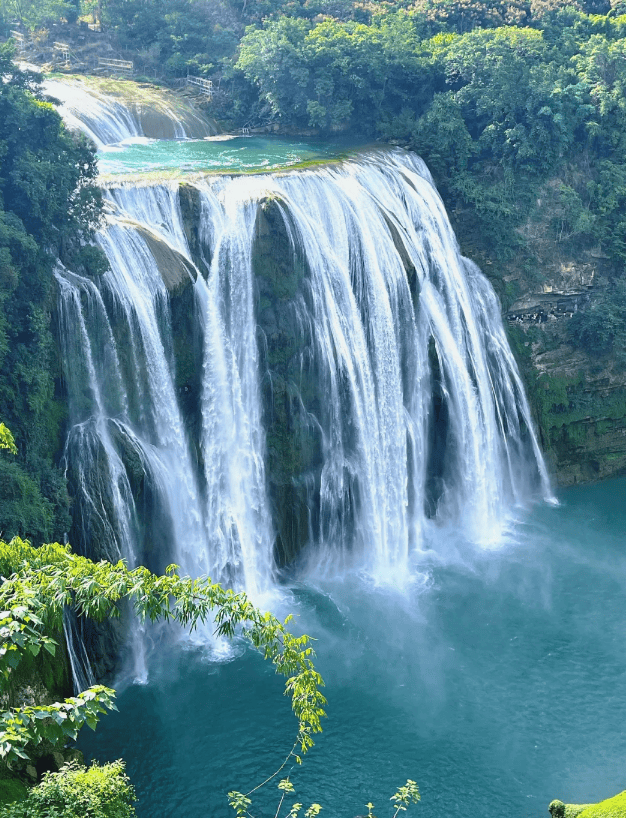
(496, 681)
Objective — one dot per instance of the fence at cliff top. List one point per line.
(20, 41)
(126, 67)
(205, 86)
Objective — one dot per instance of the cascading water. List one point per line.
(101, 117)
(344, 288)
(388, 308)
(297, 374)
(117, 113)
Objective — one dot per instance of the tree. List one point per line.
(44, 581)
(36, 14)
(76, 792)
(6, 439)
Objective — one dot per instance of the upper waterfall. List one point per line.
(291, 363)
(112, 111)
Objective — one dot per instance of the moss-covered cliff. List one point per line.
(289, 386)
(551, 289)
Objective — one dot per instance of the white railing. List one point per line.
(65, 51)
(120, 66)
(205, 86)
(20, 40)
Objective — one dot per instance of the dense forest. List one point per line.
(48, 207)
(498, 97)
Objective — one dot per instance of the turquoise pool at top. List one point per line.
(223, 153)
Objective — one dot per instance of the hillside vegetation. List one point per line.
(498, 97)
(48, 207)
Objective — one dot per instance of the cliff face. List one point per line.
(289, 387)
(578, 399)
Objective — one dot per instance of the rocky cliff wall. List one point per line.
(578, 398)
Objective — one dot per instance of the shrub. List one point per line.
(11, 789)
(78, 792)
(611, 808)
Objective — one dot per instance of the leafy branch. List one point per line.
(6, 439)
(46, 580)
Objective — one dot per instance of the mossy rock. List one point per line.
(176, 272)
(12, 789)
(611, 808)
(558, 809)
(290, 385)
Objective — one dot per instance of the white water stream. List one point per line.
(423, 419)
(114, 112)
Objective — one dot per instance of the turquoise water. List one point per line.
(236, 153)
(498, 683)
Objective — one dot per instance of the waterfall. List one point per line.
(113, 112)
(213, 517)
(302, 368)
(384, 340)
(102, 118)
(82, 672)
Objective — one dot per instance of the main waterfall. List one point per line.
(290, 369)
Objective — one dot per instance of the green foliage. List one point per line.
(496, 96)
(35, 14)
(11, 789)
(56, 723)
(334, 73)
(462, 16)
(49, 207)
(23, 509)
(574, 810)
(239, 802)
(7, 440)
(78, 792)
(402, 799)
(611, 808)
(602, 327)
(404, 796)
(50, 578)
(42, 582)
(177, 35)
